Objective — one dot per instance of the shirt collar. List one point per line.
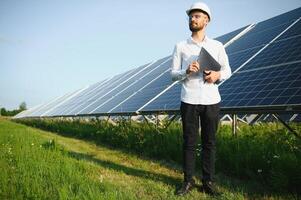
(190, 40)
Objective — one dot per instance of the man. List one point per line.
(199, 96)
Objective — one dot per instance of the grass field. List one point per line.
(36, 164)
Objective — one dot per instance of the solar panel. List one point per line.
(125, 97)
(168, 101)
(227, 37)
(272, 78)
(75, 101)
(115, 91)
(92, 96)
(285, 49)
(275, 86)
(238, 58)
(49, 105)
(149, 90)
(264, 32)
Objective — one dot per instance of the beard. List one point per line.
(195, 28)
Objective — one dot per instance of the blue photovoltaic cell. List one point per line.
(245, 47)
(293, 31)
(227, 37)
(275, 86)
(103, 99)
(257, 37)
(149, 81)
(285, 49)
(264, 31)
(147, 93)
(238, 58)
(170, 100)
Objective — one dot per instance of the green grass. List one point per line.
(36, 164)
(265, 153)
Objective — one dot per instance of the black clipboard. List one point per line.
(207, 62)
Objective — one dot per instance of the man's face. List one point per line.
(197, 21)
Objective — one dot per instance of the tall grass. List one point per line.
(35, 168)
(266, 153)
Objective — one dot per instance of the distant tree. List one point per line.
(22, 106)
(3, 112)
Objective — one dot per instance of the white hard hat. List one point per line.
(199, 6)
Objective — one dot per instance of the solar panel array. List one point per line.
(272, 77)
(266, 66)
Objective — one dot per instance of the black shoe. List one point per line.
(209, 188)
(186, 188)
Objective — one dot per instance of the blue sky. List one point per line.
(52, 47)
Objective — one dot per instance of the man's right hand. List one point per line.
(193, 67)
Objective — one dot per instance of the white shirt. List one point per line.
(194, 90)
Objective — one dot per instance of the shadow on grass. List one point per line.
(250, 190)
(127, 170)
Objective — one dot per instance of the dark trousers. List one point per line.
(191, 115)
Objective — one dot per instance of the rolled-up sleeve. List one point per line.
(224, 61)
(177, 73)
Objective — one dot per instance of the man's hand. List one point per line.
(212, 76)
(193, 67)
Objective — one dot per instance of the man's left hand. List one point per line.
(212, 76)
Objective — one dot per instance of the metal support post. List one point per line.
(234, 125)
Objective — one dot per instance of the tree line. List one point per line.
(4, 112)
